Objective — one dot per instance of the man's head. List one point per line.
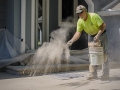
(81, 11)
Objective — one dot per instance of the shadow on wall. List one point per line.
(113, 37)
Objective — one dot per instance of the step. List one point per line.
(26, 70)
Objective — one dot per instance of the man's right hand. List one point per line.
(75, 38)
(69, 43)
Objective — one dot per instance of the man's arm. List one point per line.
(102, 28)
(75, 38)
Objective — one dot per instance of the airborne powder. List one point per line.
(51, 53)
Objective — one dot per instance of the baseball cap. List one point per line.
(80, 8)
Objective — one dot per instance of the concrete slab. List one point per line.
(60, 81)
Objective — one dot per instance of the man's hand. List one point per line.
(75, 38)
(102, 28)
(69, 43)
(96, 38)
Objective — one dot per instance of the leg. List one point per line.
(92, 68)
(105, 69)
(105, 66)
(93, 72)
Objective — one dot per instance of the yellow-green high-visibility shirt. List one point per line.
(91, 25)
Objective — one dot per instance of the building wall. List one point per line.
(113, 33)
(13, 17)
(28, 23)
(2, 13)
(10, 15)
(99, 4)
(112, 29)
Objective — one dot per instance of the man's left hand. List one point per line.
(96, 38)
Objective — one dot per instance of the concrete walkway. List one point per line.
(62, 81)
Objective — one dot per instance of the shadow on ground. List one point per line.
(115, 78)
(4, 75)
(76, 84)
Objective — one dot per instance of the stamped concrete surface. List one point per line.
(60, 81)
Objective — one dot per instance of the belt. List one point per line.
(96, 34)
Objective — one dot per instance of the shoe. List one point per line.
(92, 76)
(105, 77)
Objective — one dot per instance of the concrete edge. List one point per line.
(19, 70)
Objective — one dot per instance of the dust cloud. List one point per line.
(48, 57)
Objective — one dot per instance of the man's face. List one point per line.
(82, 15)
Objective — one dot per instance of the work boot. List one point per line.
(92, 76)
(93, 72)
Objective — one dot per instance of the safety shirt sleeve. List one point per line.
(98, 20)
(79, 26)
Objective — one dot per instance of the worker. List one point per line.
(95, 27)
